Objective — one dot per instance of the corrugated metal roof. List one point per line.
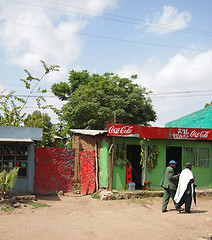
(198, 119)
(88, 132)
(21, 133)
(15, 140)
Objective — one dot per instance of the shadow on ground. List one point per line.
(48, 197)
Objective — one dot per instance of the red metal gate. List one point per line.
(54, 170)
(87, 172)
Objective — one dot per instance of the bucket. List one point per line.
(131, 186)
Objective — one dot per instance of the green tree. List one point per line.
(60, 129)
(208, 104)
(41, 120)
(11, 106)
(91, 101)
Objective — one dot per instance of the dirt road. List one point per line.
(82, 217)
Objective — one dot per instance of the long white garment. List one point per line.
(185, 177)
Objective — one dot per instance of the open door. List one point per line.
(134, 157)
(174, 153)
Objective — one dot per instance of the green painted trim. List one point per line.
(104, 161)
(131, 135)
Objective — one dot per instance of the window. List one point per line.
(12, 155)
(199, 157)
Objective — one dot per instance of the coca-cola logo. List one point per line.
(185, 134)
(196, 134)
(114, 130)
(125, 130)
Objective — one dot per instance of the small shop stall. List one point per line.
(17, 149)
(148, 150)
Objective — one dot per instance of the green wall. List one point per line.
(119, 177)
(203, 176)
(119, 172)
(104, 158)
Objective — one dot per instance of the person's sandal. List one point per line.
(180, 209)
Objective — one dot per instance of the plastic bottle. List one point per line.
(131, 186)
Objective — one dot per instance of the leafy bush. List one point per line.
(7, 180)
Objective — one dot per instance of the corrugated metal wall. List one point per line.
(54, 170)
(87, 172)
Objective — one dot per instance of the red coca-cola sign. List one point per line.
(159, 133)
(123, 130)
(191, 133)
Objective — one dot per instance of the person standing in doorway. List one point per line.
(169, 183)
(185, 189)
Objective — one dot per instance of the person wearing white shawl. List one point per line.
(185, 189)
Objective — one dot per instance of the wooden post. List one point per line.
(109, 168)
(96, 161)
(143, 179)
(112, 159)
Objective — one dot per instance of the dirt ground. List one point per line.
(82, 217)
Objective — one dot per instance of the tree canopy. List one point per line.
(208, 104)
(12, 106)
(51, 131)
(92, 100)
(41, 120)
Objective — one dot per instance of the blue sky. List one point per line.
(167, 43)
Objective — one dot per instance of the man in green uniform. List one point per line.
(169, 183)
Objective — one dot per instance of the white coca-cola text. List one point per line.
(196, 134)
(184, 134)
(125, 130)
(114, 130)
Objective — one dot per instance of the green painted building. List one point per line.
(198, 152)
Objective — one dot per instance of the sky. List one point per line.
(166, 43)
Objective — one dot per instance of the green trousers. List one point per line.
(166, 196)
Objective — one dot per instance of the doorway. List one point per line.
(134, 157)
(174, 153)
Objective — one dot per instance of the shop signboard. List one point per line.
(158, 132)
(123, 130)
(191, 133)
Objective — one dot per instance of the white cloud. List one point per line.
(168, 21)
(99, 6)
(29, 34)
(43, 30)
(26, 45)
(184, 72)
(181, 73)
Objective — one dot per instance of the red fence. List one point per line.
(87, 172)
(54, 170)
